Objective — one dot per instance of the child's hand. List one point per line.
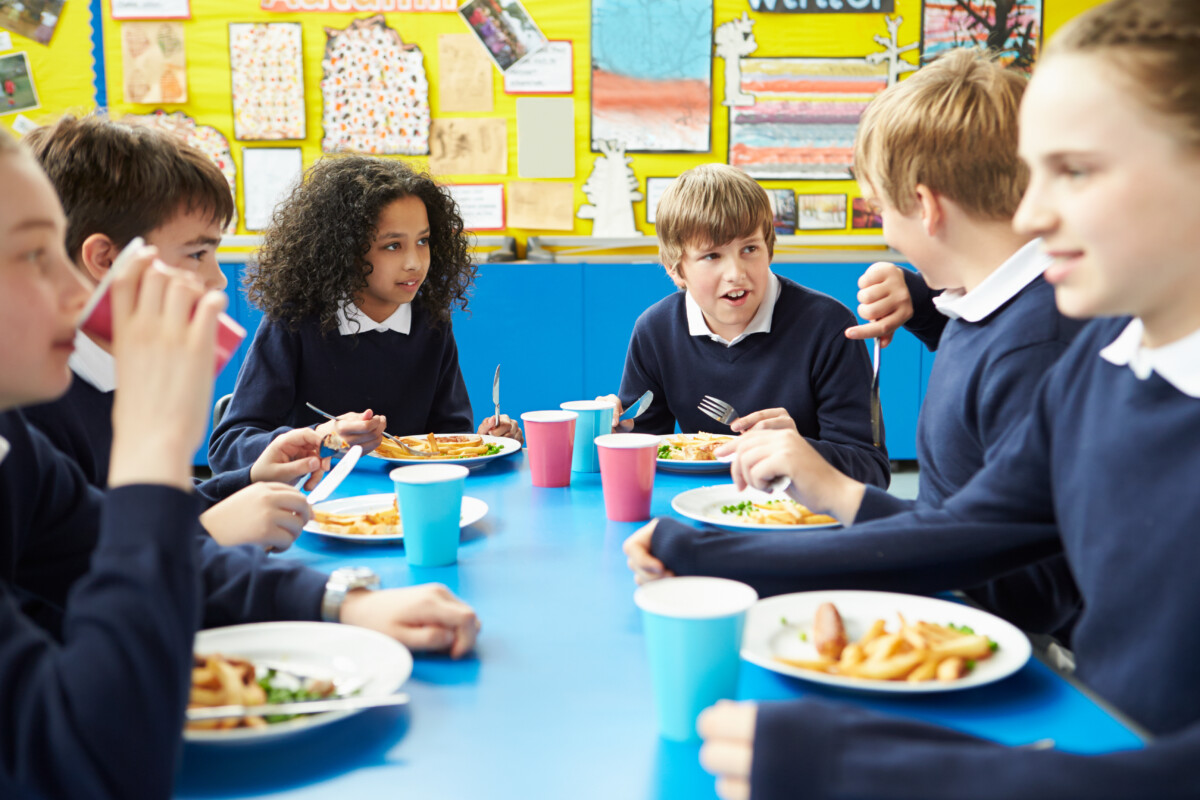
(269, 515)
(365, 429)
(883, 300)
(728, 750)
(508, 427)
(427, 617)
(290, 456)
(645, 567)
(765, 420)
(762, 456)
(618, 424)
(164, 327)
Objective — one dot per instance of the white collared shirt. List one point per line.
(4, 448)
(1177, 363)
(400, 321)
(998, 288)
(761, 322)
(92, 364)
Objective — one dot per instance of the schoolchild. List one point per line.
(938, 155)
(742, 334)
(357, 275)
(1103, 467)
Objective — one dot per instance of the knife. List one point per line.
(876, 408)
(635, 410)
(496, 393)
(298, 707)
(336, 475)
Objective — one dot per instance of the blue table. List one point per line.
(557, 701)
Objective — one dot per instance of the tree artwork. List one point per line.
(1009, 28)
(611, 190)
(734, 39)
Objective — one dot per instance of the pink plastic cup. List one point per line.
(549, 439)
(627, 474)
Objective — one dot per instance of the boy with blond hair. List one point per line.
(741, 333)
(938, 154)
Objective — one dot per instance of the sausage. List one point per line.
(829, 634)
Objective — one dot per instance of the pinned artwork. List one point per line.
(155, 67)
(545, 137)
(473, 146)
(783, 209)
(17, 83)
(821, 212)
(205, 138)
(356, 6)
(504, 28)
(541, 205)
(151, 9)
(481, 205)
(611, 190)
(550, 70)
(865, 216)
(269, 174)
(652, 74)
(33, 19)
(654, 192)
(464, 75)
(375, 92)
(267, 62)
(734, 39)
(823, 6)
(1010, 28)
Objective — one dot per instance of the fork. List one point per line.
(386, 435)
(723, 413)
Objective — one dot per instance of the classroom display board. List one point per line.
(564, 117)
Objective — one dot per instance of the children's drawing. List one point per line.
(375, 92)
(1008, 27)
(783, 209)
(865, 215)
(734, 39)
(611, 190)
(652, 74)
(267, 62)
(892, 51)
(205, 138)
(821, 212)
(153, 62)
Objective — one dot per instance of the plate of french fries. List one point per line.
(749, 509)
(288, 662)
(373, 518)
(882, 641)
(469, 449)
(691, 452)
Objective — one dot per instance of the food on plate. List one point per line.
(439, 446)
(219, 680)
(691, 446)
(383, 521)
(924, 651)
(780, 511)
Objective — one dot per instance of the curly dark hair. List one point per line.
(313, 259)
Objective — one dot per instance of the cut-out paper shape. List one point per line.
(865, 216)
(1010, 28)
(652, 74)
(375, 92)
(611, 190)
(269, 174)
(154, 63)
(358, 6)
(267, 65)
(16, 81)
(821, 212)
(33, 19)
(151, 9)
(205, 138)
(545, 137)
(541, 205)
(654, 192)
(735, 39)
(504, 28)
(464, 75)
(783, 209)
(550, 70)
(892, 50)
(481, 205)
(475, 146)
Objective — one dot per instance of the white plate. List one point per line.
(766, 636)
(704, 505)
(507, 448)
(674, 465)
(327, 650)
(473, 510)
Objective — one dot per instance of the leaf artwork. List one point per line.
(267, 64)
(154, 62)
(374, 90)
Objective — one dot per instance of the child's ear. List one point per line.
(933, 214)
(96, 256)
(675, 275)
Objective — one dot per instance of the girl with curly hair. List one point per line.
(357, 275)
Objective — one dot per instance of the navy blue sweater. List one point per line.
(413, 380)
(805, 364)
(926, 323)
(79, 424)
(1104, 467)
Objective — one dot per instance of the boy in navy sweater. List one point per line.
(950, 209)
(1103, 467)
(741, 333)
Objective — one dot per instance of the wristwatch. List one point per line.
(342, 580)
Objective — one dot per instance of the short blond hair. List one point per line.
(709, 206)
(952, 126)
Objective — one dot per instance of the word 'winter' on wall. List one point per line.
(823, 6)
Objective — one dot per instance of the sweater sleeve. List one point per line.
(222, 485)
(833, 750)
(242, 584)
(877, 504)
(100, 714)
(643, 372)
(451, 410)
(926, 323)
(265, 390)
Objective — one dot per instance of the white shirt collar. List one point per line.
(92, 364)
(400, 321)
(4, 448)
(998, 288)
(1178, 363)
(761, 323)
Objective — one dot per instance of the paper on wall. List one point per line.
(464, 74)
(151, 9)
(654, 192)
(268, 176)
(267, 65)
(541, 205)
(477, 146)
(550, 70)
(480, 205)
(155, 67)
(545, 137)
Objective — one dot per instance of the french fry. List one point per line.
(925, 671)
(951, 669)
(433, 445)
(816, 665)
(887, 669)
(877, 629)
(970, 646)
(852, 655)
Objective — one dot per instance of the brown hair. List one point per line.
(1153, 44)
(124, 181)
(709, 206)
(952, 126)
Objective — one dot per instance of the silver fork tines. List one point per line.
(719, 410)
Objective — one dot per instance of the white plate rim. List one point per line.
(509, 446)
(675, 465)
(725, 494)
(315, 635)
(473, 510)
(764, 623)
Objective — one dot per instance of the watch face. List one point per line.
(356, 577)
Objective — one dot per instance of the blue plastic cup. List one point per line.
(430, 500)
(595, 419)
(693, 630)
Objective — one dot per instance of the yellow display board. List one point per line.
(63, 75)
